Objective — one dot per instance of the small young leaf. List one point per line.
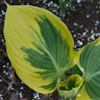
(66, 8)
(61, 12)
(71, 87)
(72, 9)
(60, 1)
(53, 5)
(67, 2)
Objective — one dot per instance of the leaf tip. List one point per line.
(6, 3)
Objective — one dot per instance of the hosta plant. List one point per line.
(40, 48)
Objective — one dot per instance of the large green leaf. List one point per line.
(39, 46)
(89, 63)
(70, 88)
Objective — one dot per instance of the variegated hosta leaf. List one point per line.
(89, 63)
(71, 87)
(39, 46)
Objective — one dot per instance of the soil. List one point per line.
(84, 24)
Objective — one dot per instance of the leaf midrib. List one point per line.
(55, 64)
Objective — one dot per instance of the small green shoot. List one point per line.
(63, 7)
